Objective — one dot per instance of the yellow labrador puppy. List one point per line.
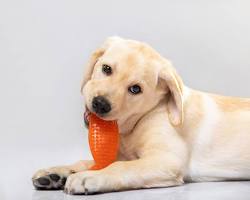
(169, 133)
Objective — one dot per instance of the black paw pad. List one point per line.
(50, 182)
(63, 181)
(54, 177)
(43, 181)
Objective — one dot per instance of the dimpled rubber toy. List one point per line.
(103, 141)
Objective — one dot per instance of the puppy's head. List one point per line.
(125, 78)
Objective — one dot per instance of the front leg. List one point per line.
(55, 177)
(157, 170)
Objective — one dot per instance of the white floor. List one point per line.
(20, 164)
(204, 191)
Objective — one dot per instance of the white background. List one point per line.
(45, 44)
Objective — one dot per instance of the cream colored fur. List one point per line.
(170, 134)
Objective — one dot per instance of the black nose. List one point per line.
(101, 105)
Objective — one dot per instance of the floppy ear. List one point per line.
(90, 66)
(175, 101)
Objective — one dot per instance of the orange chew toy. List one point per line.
(103, 141)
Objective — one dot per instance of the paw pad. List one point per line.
(43, 181)
(54, 177)
(49, 182)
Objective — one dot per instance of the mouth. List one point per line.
(86, 117)
(88, 112)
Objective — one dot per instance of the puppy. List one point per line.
(169, 133)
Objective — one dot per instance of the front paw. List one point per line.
(52, 178)
(88, 182)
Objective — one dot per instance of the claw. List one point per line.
(86, 192)
(65, 190)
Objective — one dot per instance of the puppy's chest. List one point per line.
(127, 149)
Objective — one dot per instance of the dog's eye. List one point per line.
(106, 69)
(135, 89)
